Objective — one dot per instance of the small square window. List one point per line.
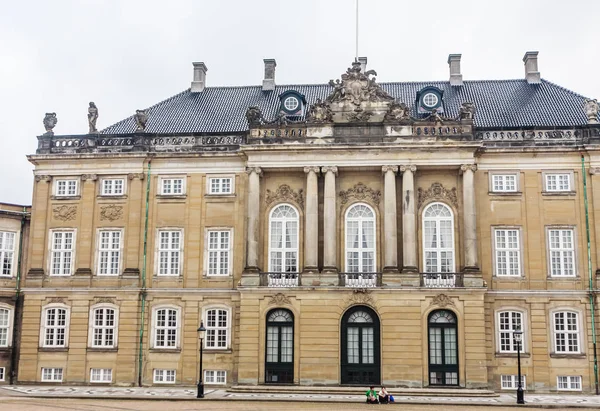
(66, 188)
(164, 376)
(504, 183)
(568, 383)
(113, 187)
(220, 185)
(215, 377)
(172, 186)
(52, 374)
(102, 375)
(558, 182)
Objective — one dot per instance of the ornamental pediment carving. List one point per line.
(283, 194)
(359, 297)
(437, 192)
(442, 300)
(279, 299)
(360, 192)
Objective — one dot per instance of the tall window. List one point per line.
(566, 332)
(166, 327)
(283, 243)
(63, 246)
(217, 328)
(169, 252)
(5, 327)
(508, 323)
(562, 252)
(7, 253)
(104, 327)
(109, 252)
(438, 239)
(219, 244)
(508, 253)
(55, 327)
(360, 239)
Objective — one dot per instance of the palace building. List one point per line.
(329, 234)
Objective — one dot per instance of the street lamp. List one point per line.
(518, 338)
(201, 332)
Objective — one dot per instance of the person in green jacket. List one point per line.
(372, 396)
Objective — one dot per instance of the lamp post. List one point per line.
(201, 332)
(518, 338)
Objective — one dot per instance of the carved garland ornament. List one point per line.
(279, 299)
(111, 212)
(65, 212)
(285, 193)
(441, 300)
(55, 300)
(437, 191)
(360, 297)
(360, 192)
(104, 300)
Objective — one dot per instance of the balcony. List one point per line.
(441, 280)
(360, 280)
(279, 280)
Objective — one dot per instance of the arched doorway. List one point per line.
(443, 348)
(279, 356)
(360, 356)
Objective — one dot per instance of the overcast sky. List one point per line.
(56, 56)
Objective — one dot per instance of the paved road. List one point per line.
(54, 404)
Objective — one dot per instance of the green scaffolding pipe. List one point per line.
(143, 290)
(591, 283)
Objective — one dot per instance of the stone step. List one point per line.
(397, 391)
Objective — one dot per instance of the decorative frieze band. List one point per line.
(410, 167)
(385, 169)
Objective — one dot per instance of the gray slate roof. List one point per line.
(500, 104)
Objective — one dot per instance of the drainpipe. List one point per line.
(591, 284)
(143, 290)
(18, 302)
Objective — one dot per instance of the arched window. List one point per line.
(438, 239)
(283, 239)
(360, 347)
(508, 323)
(279, 360)
(443, 348)
(166, 324)
(103, 326)
(55, 326)
(360, 239)
(566, 329)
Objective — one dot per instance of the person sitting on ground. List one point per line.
(384, 396)
(371, 396)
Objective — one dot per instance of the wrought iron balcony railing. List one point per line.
(273, 279)
(360, 280)
(441, 280)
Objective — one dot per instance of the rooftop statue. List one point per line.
(397, 112)
(141, 117)
(357, 87)
(320, 112)
(591, 111)
(254, 116)
(467, 111)
(92, 117)
(50, 121)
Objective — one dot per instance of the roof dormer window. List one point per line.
(428, 99)
(292, 103)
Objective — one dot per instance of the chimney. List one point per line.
(269, 80)
(363, 63)
(532, 75)
(455, 76)
(199, 82)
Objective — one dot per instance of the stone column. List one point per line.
(85, 234)
(469, 217)
(390, 224)
(311, 229)
(409, 220)
(329, 220)
(252, 217)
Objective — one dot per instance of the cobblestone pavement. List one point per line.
(21, 392)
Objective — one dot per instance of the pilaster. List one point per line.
(410, 270)
(250, 276)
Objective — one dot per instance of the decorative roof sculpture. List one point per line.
(92, 117)
(591, 111)
(50, 121)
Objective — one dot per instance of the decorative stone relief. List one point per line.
(326, 169)
(91, 177)
(285, 193)
(594, 171)
(360, 192)
(104, 300)
(55, 300)
(410, 167)
(254, 116)
(92, 117)
(397, 112)
(45, 179)
(50, 121)
(256, 170)
(465, 167)
(437, 191)
(111, 212)
(65, 212)
(141, 118)
(360, 297)
(131, 176)
(357, 87)
(441, 300)
(591, 108)
(279, 299)
(385, 169)
(467, 111)
(359, 115)
(320, 112)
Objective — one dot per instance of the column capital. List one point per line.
(409, 167)
(91, 177)
(465, 167)
(45, 179)
(308, 169)
(385, 169)
(326, 169)
(132, 176)
(256, 170)
(595, 171)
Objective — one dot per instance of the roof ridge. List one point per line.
(563, 88)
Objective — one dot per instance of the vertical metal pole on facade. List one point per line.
(201, 332)
(518, 337)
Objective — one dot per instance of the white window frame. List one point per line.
(361, 250)
(438, 250)
(108, 186)
(216, 181)
(167, 328)
(509, 382)
(561, 250)
(547, 175)
(44, 326)
(215, 329)
(73, 251)
(212, 377)
(2, 374)
(169, 251)
(92, 326)
(4, 250)
(159, 376)
(9, 325)
(570, 380)
(285, 225)
(499, 182)
(507, 251)
(54, 373)
(162, 181)
(68, 184)
(103, 372)
(499, 331)
(217, 253)
(568, 333)
(110, 251)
